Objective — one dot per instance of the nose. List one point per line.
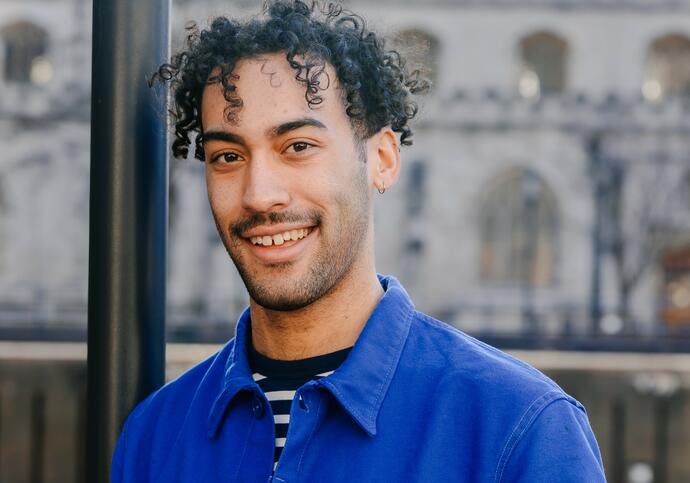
(265, 186)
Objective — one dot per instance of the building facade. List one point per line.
(547, 190)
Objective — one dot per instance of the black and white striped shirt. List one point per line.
(280, 379)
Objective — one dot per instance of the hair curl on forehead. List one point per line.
(376, 87)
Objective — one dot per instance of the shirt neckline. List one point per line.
(299, 368)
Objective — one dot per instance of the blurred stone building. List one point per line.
(547, 190)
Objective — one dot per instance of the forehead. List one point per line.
(270, 93)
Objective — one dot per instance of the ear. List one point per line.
(384, 159)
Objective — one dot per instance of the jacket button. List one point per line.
(303, 403)
(257, 407)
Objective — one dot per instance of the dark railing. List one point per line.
(42, 421)
(220, 333)
(564, 328)
(638, 405)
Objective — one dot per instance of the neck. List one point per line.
(331, 323)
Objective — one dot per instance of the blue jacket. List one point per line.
(415, 401)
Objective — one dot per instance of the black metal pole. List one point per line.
(617, 446)
(530, 186)
(662, 420)
(128, 219)
(596, 172)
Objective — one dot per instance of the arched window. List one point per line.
(25, 48)
(667, 68)
(518, 230)
(543, 57)
(420, 49)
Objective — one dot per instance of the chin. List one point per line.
(283, 305)
(285, 288)
(282, 299)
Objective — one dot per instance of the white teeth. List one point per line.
(280, 238)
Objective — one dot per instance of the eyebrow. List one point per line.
(223, 136)
(272, 132)
(296, 124)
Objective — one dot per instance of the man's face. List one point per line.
(287, 183)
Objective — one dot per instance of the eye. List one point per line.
(227, 157)
(299, 146)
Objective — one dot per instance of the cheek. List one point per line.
(220, 197)
(331, 191)
(350, 196)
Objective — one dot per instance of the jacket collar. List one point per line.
(359, 384)
(237, 376)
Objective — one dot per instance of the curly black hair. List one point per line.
(375, 85)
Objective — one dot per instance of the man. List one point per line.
(332, 375)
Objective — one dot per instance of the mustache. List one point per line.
(240, 227)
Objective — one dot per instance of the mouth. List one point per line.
(276, 245)
(279, 239)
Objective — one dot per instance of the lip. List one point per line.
(289, 251)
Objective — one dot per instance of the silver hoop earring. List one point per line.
(381, 190)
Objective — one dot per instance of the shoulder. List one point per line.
(458, 356)
(535, 429)
(476, 379)
(178, 394)
(153, 426)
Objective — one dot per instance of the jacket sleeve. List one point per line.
(557, 446)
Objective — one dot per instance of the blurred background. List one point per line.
(544, 208)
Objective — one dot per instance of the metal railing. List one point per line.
(638, 405)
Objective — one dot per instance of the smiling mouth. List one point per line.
(280, 238)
